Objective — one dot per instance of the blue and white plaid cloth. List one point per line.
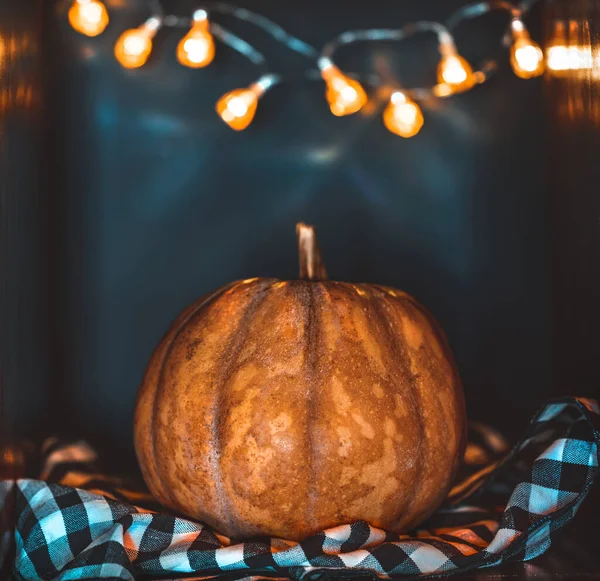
(74, 524)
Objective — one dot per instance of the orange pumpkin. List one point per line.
(286, 407)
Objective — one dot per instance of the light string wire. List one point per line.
(273, 29)
(344, 91)
(445, 41)
(476, 9)
(380, 34)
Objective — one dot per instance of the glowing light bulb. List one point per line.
(526, 57)
(403, 116)
(454, 72)
(344, 95)
(237, 108)
(197, 48)
(88, 17)
(135, 45)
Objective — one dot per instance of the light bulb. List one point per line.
(526, 57)
(454, 72)
(344, 95)
(88, 17)
(237, 108)
(135, 45)
(197, 48)
(403, 116)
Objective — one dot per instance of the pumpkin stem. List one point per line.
(311, 263)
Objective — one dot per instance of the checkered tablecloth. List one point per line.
(75, 524)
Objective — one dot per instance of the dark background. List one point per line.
(25, 298)
(138, 199)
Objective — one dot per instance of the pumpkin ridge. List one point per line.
(437, 329)
(449, 356)
(231, 351)
(312, 338)
(414, 311)
(181, 325)
(400, 351)
(146, 397)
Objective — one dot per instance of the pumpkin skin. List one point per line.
(282, 408)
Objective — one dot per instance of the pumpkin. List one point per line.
(282, 408)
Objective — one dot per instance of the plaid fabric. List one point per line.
(505, 506)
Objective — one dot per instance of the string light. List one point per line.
(135, 45)
(454, 72)
(402, 115)
(88, 17)
(197, 48)
(526, 57)
(238, 107)
(344, 95)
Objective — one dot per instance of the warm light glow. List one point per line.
(88, 17)
(237, 108)
(579, 58)
(562, 56)
(557, 53)
(134, 46)
(526, 58)
(455, 72)
(579, 46)
(403, 116)
(344, 95)
(197, 48)
(557, 58)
